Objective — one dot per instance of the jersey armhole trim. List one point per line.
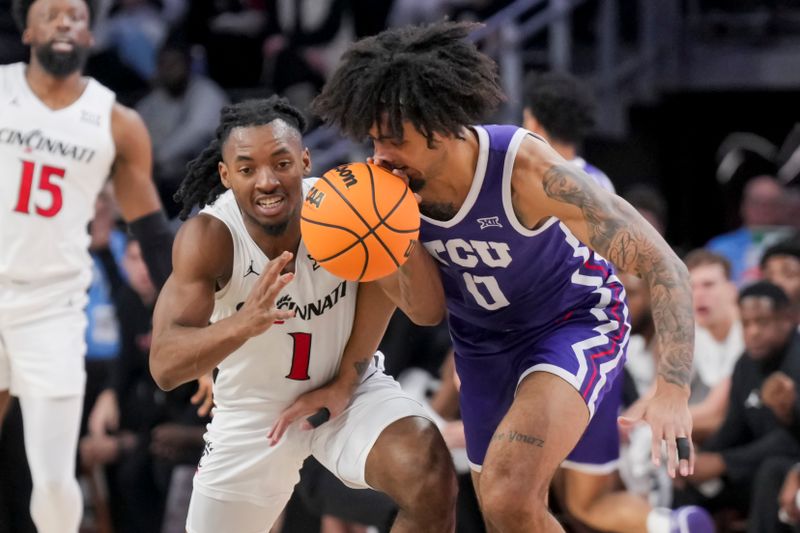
(220, 294)
(475, 188)
(508, 171)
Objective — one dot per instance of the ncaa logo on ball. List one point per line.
(315, 197)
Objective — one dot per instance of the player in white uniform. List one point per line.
(61, 136)
(282, 327)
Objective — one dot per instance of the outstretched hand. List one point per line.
(259, 312)
(667, 412)
(334, 397)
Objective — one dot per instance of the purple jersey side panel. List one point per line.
(521, 300)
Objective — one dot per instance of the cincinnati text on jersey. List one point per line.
(36, 140)
(310, 310)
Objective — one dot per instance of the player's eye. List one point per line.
(245, 170)
(283, 165)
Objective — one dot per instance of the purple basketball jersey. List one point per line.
(521, 300)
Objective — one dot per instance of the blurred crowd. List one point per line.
(178, 63)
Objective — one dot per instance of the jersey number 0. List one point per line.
(46, 173)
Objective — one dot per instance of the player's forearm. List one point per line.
(419, 291)
(181, 354)
(373, 312)
(671, 299)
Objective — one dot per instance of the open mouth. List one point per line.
(62, 45)
(269, 205)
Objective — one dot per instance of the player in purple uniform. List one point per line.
(537, 317)
(560, 109)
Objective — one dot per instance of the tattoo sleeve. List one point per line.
(631, 244)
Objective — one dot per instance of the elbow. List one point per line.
(164, 378)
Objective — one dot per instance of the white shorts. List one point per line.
(264, 476)
(42, 347)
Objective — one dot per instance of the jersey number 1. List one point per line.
(301, 355)
(26, 186)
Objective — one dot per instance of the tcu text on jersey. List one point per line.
(469, 254)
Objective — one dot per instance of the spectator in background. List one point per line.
(181, 114)
(718, 340)
(232, 33)
(759, 424)
(561, 109)
(11, 47)
(134, 428)
(102, 331)
(780, 265)
(136, 29)
(763, 213)
(305, 40)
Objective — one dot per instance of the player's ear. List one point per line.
(26, 36)
(223, 174)
(306, 162)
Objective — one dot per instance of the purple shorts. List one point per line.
(586, 348)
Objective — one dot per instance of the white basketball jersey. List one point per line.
(52, 166)
(269, 371)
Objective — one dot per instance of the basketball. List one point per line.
(358, 221)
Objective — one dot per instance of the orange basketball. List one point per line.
(358, 221)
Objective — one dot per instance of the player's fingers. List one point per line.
(288, 416)
(206, 406)
(276, 287)
(684, 448)
(672, 451)
(272, 270)
(277, 430)
(198, 396)
(655, 446)
(318, 418)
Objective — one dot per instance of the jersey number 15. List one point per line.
(46, 173)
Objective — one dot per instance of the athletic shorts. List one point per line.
(42, 345)
(586, 349)
(250, 471)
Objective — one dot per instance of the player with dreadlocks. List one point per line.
(245, 297)
(536, 313)
(61, 136)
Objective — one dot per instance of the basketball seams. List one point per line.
(381, 219)
(358, 241)
(334, 226)
(341, 256)
(371, 229)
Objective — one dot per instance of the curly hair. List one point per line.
(561, 103)
(20, 8)
(428, 75)
(202, 185)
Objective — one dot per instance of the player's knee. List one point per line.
(430, 481)
(509, 499)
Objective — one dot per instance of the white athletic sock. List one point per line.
(658, 521)
(51, 427)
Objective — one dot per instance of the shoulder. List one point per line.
(203, 249)
(128, 128)
(533, 159)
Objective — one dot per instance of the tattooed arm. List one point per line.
(544, 185)
(373, 311)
